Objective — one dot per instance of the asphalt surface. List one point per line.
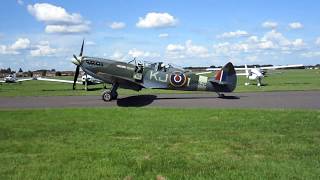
(286, 100)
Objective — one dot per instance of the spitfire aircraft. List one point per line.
(256, 74)
(11, 78)
(137, 76)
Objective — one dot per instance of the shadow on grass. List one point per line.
(296, 83)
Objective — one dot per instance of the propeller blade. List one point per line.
(75, 57)
(81, 51)
(76, 74)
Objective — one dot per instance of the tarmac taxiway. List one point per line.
(274, 100)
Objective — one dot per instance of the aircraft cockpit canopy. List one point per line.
(158, 66)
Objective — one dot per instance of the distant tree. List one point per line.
(44, 73)
(53, 70)
(9, 70)
(58, 73)
(30, 73)
(20, 70)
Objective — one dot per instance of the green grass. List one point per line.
(143, 143)
(278, 81)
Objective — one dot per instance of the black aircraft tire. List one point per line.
(106, 96)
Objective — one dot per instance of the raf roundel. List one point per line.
(178, 79)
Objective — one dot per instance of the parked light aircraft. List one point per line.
(11, 78)
(256, 74)
(85, 80)
(137, 76)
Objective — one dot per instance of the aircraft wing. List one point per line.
(280, 67)
(201, 73)
(263, 68)
(213, 69)
(20, 80)
(57, 80)
(242, 74)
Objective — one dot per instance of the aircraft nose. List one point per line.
(77, 63)
(77, 60)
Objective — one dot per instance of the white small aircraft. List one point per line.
(85, 80)
(255, 73)
(11, 78)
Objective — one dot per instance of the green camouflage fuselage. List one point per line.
(129, 76)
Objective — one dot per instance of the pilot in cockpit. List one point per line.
(162, 67)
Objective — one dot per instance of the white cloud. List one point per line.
(318, 41)
(295, 25)
(175, 47)
(277, 40)
(253, 39)
(298, 43)
(276, 37)
(5, 50)
(139, 53)
(117, 55)
(57, 19)
(195, 50)
(43, 49)
(271, 40)
(270, 24)
(186, 50)
(163, 35)
(227, 48)
(68, 29)
(266, 45)
(20, 44)
(238, 33)
(222, 48)
(156, 20)
(117, 25)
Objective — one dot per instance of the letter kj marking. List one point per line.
(163, 79)
(153, 75)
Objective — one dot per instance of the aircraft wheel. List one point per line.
(221, 95)
(106, 96)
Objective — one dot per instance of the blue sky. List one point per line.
(45, 34)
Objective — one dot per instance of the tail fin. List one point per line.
(225, 79)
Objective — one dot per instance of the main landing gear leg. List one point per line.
(111, 94)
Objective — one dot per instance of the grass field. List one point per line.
(145, 143)
(280, 80)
